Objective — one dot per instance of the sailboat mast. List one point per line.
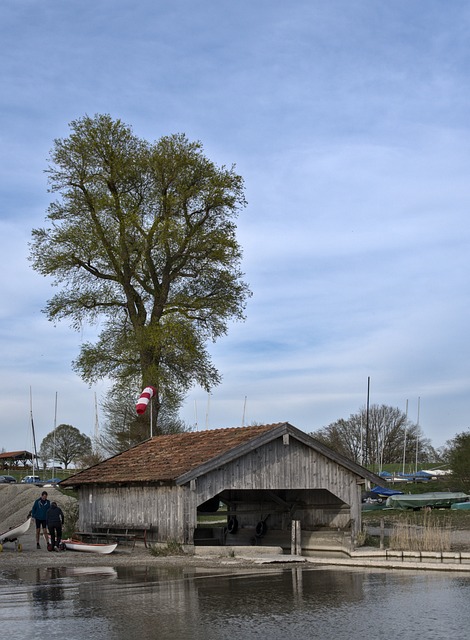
(35, 454)
(417, 437)
(404, 439)
(53, 439)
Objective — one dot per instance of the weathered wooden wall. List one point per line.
(282, 464)
(162, 507)
(278, 466)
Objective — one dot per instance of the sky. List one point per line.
(349, 122)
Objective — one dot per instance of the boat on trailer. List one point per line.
(89, 547)
(435, 500)
(12, 535)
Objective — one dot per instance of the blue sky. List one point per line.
(349, 122)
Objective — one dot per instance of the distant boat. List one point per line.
(88, 547)
(419, 476)
(461, 506)
(438, 473)
(435, 500)
(376, 498)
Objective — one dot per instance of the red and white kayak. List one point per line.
(88, 547)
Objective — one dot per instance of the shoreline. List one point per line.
(215, 558)
(218, 558)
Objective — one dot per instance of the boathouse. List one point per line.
(258, 481)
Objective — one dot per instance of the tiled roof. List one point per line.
(16, 454)
(165, 458)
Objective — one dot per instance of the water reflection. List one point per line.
(48, 589)
(178, 603)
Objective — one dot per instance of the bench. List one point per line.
(125, 534)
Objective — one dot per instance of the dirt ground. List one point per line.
(16, 501)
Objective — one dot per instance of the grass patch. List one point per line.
(429, 534)
(456, 519)
(421, 530)
(364, 539)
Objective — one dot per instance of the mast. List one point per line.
(53, 438)
(417, 437)
(35, 454)
(208, 409)
(366, 457)
(404, 440)
(97, 426)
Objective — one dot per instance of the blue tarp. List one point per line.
(384, 491)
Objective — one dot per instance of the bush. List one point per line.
(70, 511)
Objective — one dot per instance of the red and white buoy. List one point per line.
(145, 397)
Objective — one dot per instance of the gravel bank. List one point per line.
(16, 502)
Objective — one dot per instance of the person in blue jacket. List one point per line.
(39, 512)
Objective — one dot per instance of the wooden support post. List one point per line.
(296, 541)
(382, 533)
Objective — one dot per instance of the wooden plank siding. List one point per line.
(276, 466)
(269, 469)
(162, 507)
(172, 509)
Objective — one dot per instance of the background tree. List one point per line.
(389, 436)
(123, 428)
(142, 239)
(457, 456)
(65, 444)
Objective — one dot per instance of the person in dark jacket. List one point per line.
(39, 511)
(55, 521)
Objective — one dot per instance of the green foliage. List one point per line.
(458, 458)
(65, 444)
(123, 428)
(142, 240)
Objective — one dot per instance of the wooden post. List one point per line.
(296, 541)
(353, 540)
(382, 533)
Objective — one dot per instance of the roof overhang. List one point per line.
(284, 429)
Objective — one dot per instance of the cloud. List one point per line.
(349, 125)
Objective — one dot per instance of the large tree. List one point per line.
(457, 455)
(382, 435)
(142, 239)
(65, 444)
(123, 428)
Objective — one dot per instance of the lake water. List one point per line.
(143, 603)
